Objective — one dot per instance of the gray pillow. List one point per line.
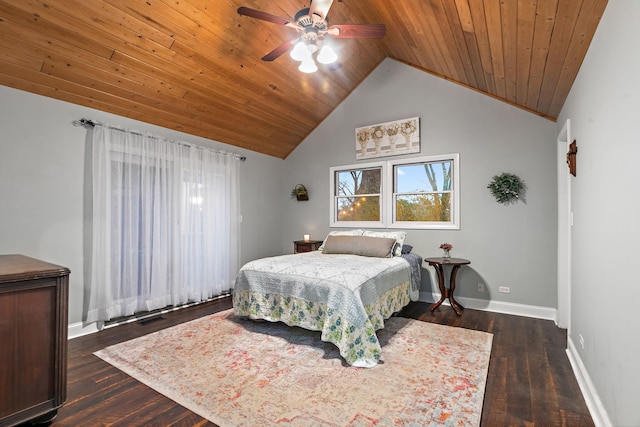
(406, 249)
(379, 247)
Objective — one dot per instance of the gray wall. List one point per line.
(603, 107)
(43, 168)
(512, 245)
(42, 180)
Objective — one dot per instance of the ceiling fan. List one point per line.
(313, 27)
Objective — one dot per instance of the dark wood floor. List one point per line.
(530, 381)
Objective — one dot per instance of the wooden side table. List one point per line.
(438, 263)
(306, 245)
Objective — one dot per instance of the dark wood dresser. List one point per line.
(33, 339)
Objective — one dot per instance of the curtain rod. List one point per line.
(89, 122)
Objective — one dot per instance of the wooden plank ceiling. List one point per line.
(194, 65)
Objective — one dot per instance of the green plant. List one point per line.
(506, 187)
(300, 192)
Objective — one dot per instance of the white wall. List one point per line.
(42, 180)
(604, 106)
(512, 245)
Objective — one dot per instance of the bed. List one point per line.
(345, 289)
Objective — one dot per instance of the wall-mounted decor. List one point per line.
(300, 193)
(388, 139)
(506, 188)
(571, 157)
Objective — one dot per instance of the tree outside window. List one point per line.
(422, 192)
(417, 193)
(358, 194)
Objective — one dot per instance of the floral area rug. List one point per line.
(237, 372)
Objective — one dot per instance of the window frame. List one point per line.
(333, 196)
(388, 194)
(454, 224)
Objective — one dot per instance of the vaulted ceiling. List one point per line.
(194, 65)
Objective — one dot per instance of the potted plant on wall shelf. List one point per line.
(300, 192)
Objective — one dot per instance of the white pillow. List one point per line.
(356, 232)
(398, 235)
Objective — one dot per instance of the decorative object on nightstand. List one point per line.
(446, 247)
(445, 293)
(300, 246)
(506, 188)
(300, 193)
(33, 326)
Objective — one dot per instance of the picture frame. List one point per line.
(388, 139)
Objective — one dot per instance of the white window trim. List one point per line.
(387, 195)
(454, 224)
(333, 221)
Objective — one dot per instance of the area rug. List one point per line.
(237, 372)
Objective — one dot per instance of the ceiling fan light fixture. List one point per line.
(313, 28)
(326, 55)
(308, 66)
(312, 46)
(300, 51)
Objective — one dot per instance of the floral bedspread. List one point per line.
(347, 297)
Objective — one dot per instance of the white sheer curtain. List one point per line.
(165, 223)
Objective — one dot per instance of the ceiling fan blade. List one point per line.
(319, 8)
(357, 31)
(275, 53)
(258, 14)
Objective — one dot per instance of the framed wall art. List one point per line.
(388, 139)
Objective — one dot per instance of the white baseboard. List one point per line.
(547, 313)
(591, 397)
(78, 329)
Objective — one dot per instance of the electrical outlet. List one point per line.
(504, 289)
(581, 341)
(481, 287)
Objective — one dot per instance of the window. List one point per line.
(357, 195)
(418, 193)
(424, 192)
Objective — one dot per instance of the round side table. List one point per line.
(438, 263)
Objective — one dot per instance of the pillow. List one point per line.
(379, 247)
(406, 249)
(356, 232)
(398, 235)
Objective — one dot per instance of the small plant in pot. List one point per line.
(300, 192)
